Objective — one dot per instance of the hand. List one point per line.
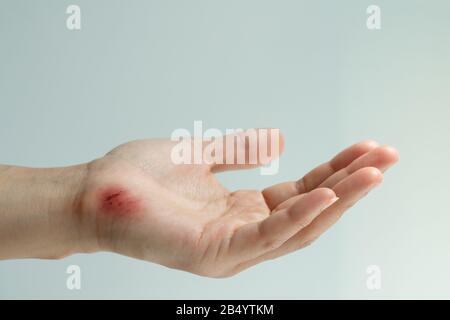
(136, 202)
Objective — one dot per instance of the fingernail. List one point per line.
(330, 202)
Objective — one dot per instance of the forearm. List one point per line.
(40, 212)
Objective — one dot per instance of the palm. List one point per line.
(191, 222)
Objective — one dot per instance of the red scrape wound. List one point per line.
(118, 201)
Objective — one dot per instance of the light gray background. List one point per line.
(144, 68)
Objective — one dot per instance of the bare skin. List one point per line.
(134, 201)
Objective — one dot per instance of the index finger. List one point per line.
(279, 193)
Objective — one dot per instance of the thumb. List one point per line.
(245, 150)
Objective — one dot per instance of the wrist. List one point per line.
(41, 212)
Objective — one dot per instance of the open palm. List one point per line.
(138, 203)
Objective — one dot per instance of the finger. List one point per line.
(289, 202)
(349, 192)
(245, 150)
(278, 193)
(253, 239)
(381, 158)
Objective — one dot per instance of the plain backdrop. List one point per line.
(141, 69)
